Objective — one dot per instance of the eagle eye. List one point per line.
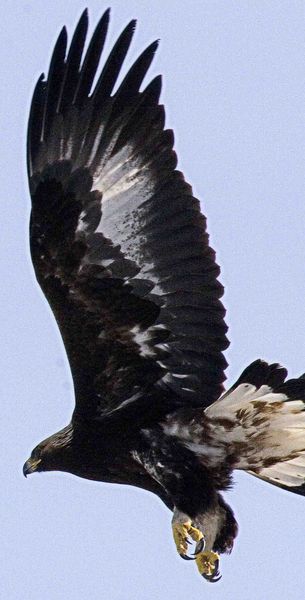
(36, 454)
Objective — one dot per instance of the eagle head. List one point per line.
(51, 454)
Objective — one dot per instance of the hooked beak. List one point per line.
(30, 466)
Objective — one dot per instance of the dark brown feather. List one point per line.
(118, 242)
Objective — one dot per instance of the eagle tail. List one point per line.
(262, 419)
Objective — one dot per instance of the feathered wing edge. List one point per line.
(69, 84)
(110, 152)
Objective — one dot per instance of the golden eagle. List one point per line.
(121, 251)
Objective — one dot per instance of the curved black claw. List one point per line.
(211, 578)
(199, 547)
(187, 557)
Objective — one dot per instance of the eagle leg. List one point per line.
(207, 560)
(182, 531)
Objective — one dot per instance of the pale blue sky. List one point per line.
(234, 92)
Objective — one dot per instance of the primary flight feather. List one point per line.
(120, 249)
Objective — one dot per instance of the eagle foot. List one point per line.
(181, 533)
(208, 565)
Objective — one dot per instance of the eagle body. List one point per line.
(120, 249)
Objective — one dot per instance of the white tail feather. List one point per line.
(265, 429)
(290, 473)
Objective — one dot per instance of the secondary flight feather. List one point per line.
(120, 249)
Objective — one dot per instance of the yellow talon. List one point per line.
(195, 534)
(181, 532)
(207, 563)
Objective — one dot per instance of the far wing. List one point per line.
(119, 244)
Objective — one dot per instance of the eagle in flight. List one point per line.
(120, 249)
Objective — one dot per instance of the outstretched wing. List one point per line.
(118, 242)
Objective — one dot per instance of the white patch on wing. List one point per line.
(111, 166)
(163, 347)
(82, 225)
(95, 144)
(119, 187)
(126, 184)
(61, 148)
(69, 148)
(162, 364)
(142, 338)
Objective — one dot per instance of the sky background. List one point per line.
(234, 90)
